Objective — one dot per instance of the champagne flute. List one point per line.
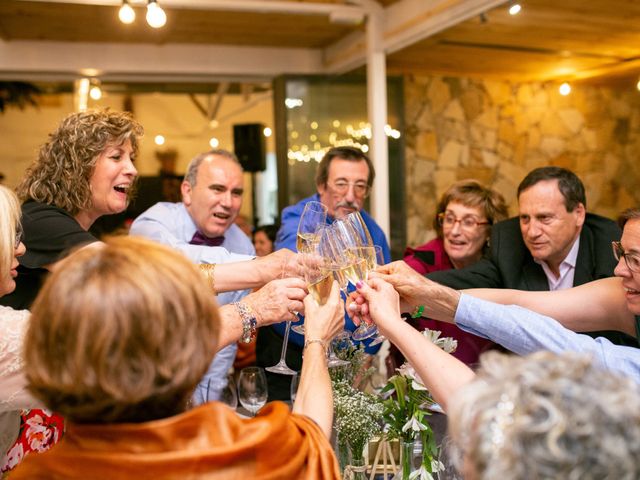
(379, 338)
(281, 367)
(319, 280)
(353, 237)
(313, 216)
(252, 389)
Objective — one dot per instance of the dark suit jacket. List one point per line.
(510, 265)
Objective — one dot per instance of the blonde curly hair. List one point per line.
(547, 416)
(61, 174)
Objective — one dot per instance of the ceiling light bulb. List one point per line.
(565, 89)
(214, 142)
(95, 92)
(126, 14)
(159, 140)
(515, 9)
(156, 17)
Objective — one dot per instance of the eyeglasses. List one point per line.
(360, 189)
(449, 220)
(631, 259)
(18, 237)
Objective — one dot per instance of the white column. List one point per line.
(377, 111)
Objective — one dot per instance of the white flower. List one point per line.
(408, 371)
(414, 425)
(421, 474)
(447, 344)
(437, 465)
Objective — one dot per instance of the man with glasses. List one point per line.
(553, 244)
(343, 181)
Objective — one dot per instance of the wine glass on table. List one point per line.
(313, 216)
(252, 389)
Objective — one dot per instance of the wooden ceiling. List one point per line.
(550, 40)
(598, 40)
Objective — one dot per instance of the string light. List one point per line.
(565, 89)
(126, 14)
(156, 17)
(267, 132)
(159, 140)
(95, 92)
(214, 142)
(515, 9)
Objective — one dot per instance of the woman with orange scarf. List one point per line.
(120, 336)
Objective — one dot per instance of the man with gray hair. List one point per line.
(202, 227)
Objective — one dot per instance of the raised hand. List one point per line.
(277, 300)
(382, 303)
(323, 322)
(412, 286)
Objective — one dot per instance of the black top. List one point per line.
(510, 264)
(49, 234)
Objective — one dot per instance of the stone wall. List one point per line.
(497, 131)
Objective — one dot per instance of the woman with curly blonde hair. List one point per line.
(84, 171)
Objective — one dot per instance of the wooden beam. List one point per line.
(139, 62)
(405, 23)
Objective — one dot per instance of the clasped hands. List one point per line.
(390, 290)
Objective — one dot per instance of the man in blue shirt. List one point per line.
(343, 180)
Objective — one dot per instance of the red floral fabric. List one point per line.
(39, 431)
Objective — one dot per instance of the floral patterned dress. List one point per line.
(21, 431)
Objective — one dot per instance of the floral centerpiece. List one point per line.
(358, 415)
(358, 418)
(405, 414)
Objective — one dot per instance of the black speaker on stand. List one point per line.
(250, 147)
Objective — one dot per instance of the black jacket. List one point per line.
(510, 264)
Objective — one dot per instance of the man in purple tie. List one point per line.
(202, 227)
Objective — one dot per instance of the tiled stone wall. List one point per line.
(496, 132)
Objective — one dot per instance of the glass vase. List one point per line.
(357, 470)
(407, 460)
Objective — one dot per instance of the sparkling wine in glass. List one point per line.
(313, 216)
(252, 389)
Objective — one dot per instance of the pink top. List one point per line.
(431, 257)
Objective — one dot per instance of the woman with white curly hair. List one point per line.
(542, 416)
(546, 416)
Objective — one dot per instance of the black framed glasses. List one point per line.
(449, 220)
(18, 237)
(360, 189)
(631, 259)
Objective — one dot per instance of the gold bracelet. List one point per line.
(207, 270)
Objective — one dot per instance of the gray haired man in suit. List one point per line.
(553, 243)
